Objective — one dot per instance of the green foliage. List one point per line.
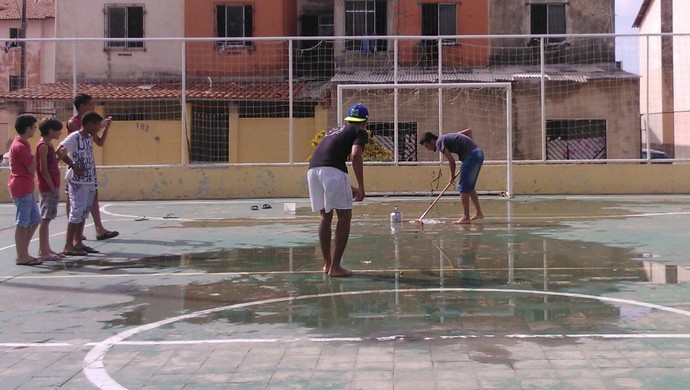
(372, 152)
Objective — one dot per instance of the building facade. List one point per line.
(31, 64)
(663, 102)
(268, 69)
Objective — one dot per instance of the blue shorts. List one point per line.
(469, 172)
(27, 211)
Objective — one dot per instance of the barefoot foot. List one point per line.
(477, 216)
(462, 220)
(338, 272)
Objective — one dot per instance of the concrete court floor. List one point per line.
(545, 293)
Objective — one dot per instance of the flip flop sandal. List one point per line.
(170, 216)
(266, 206)
(50, 258)
(32, 262)
(142, 218)
(255, 207)
(87, 249)
(74, 252)
(107, 235)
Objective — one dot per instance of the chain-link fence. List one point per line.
(574, 98)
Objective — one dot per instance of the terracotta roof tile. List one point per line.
(35, 9)
(195, 91)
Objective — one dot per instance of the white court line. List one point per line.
(531, 216)
(104, 210)
(51, 236)
(358, 273)
(612, 336)
(35, 345)
(94, 366)
(37, 238)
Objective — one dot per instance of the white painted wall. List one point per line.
(650, 72)
(40, 63)
(158, 60)
(681, 78)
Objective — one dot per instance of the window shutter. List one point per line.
(220, 21)
(135, 26)
(381, 12)
(538, 19)
(248, 23)
(447, 20)
(116, 22)
(429, 19)
(556, 15)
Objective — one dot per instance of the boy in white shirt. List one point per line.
(81, 180)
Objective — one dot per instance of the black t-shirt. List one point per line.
(336, 145)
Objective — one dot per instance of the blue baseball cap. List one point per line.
(357, 113)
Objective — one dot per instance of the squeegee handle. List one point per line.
(435, 200)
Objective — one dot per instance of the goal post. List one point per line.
(400, 113)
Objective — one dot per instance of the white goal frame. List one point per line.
(440, 86)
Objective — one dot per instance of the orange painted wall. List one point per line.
(290, 17)
(472, 19)
(271, 18)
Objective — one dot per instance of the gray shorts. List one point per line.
(49, 204)
(80, 197)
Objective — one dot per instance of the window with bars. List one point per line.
(548, 19)
(14, 34)
(234, 21)
(124, 22)
(362, 18)
(575, 139)
(439, 19)
(16, 83)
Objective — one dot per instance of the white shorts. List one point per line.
(329, 188)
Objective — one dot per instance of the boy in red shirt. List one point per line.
(21, 185)
(48, 185)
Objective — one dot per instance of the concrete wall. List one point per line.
(290, 181)
(651, 101)
(267, 140)
(472, 19)
(582, 17)
(681, 79)
(39, 60)
(156, 61)
(152, 142)
(272, 18)
(405, 18)
(484, 111)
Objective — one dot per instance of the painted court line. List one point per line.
(612, 336)
(94, 365)
(36, 345)
(358, 272)
(526, 217)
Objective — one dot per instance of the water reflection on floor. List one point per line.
(403, 260)
(545, 292)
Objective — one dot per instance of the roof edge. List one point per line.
(641, 13)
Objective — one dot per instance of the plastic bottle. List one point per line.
(396, 215)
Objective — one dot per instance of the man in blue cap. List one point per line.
(330, 188)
